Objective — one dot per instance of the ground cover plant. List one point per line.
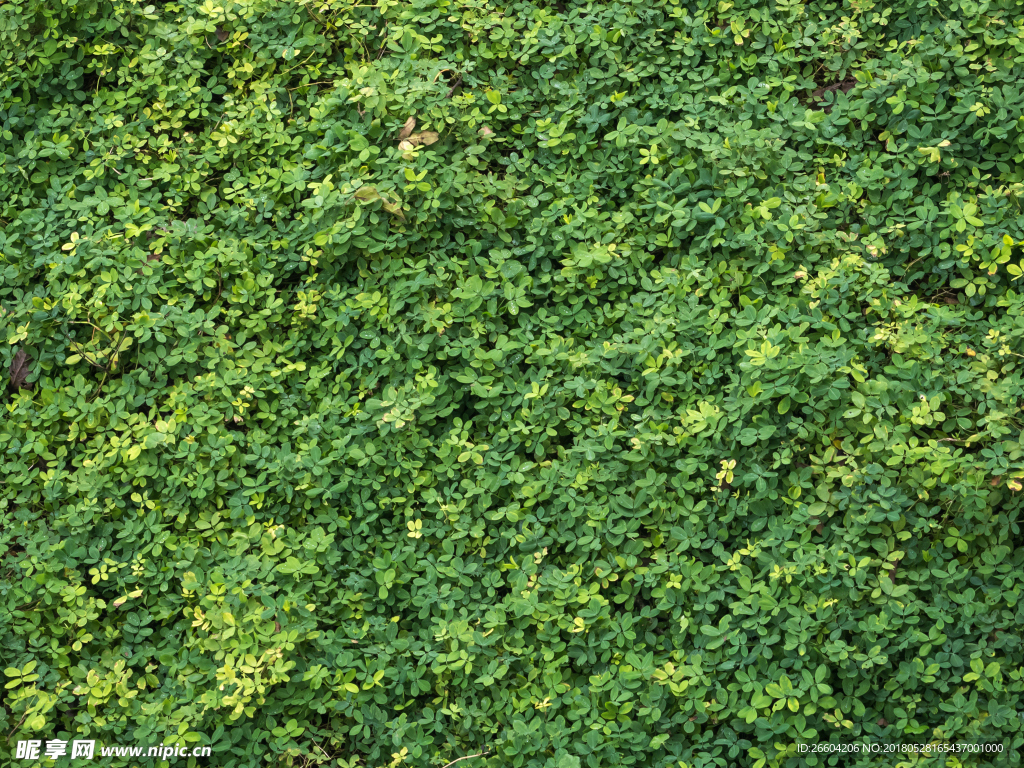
(545, 385)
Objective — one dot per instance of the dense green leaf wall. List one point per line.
(580, 384)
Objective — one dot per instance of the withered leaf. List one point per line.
(393, 208)
(426, 138)
(408, 128)
(222, 34)
(19, 369)
(367, 194)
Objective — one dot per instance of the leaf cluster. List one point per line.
(625, 383)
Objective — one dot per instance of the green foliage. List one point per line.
(575, 385)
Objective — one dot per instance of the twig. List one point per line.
(452, 89)
(467, 757)
(907, 270)
(306, 85)
(80, 351)
(322, 750)
(110, 359)
(18, 725)
(102, 382)
(384, 44)
(298, 65)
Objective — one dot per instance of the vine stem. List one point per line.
(26, 715)
(467, 757)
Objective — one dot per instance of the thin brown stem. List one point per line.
(467, 757)
(18, 725)
(306, 85)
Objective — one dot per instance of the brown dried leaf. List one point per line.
(426, 138)
(406, 146)
(222, 34)
(19, 369)
(819, 528)
(485, 131)
(408, 128)
(277, 626)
